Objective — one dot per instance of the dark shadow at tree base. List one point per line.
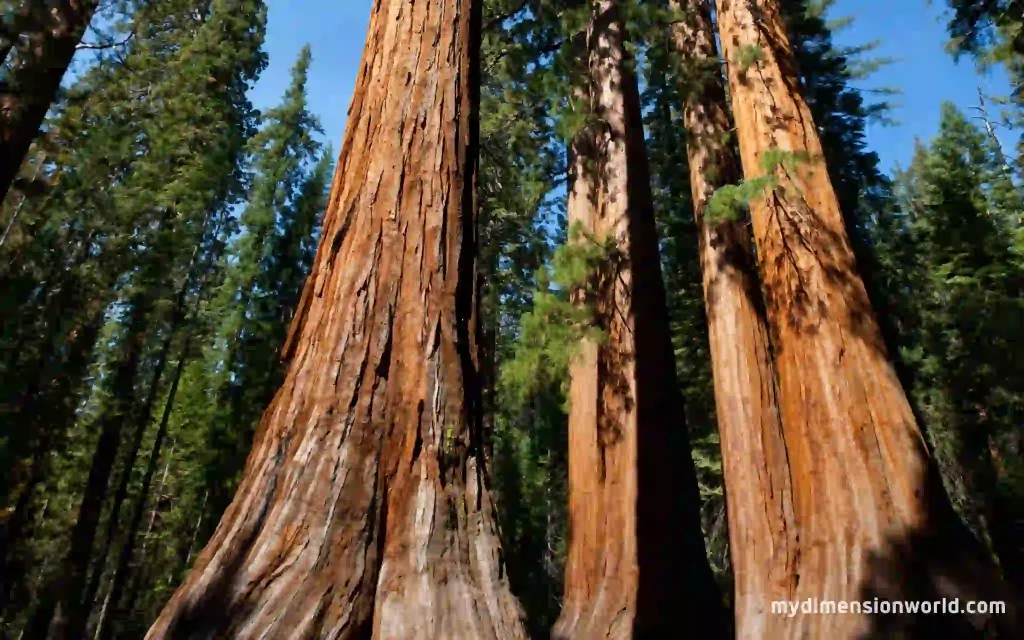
(941, 561)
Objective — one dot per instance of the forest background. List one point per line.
(144, 320)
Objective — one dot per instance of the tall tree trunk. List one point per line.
(759, 498)
(62, 608)
(873, 519)
(187, 560)
(488, 354)
(124, 558)
(140, 576)
(142, 417)
(43, 404)
(636, 563)
(363, 510)
(51, 405)
(34, 80)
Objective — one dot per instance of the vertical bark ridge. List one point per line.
(873, 521)
(762, 528)
(636, 562)
(363, 511)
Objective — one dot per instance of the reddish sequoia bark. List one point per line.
(363, 511)
(759, 496)
(873, 521)
(636, 563)
(34, 81)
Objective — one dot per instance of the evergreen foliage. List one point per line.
(155, 248)
(962, 307)
(992, 31)
(550, 333)
(138, 253)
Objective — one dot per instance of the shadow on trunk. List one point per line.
(940, 561)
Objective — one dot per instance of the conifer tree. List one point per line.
(266, 257)
(840, 399)
(634, 560)
(156, 244)
(43, 41)
(367, 477)
(524, 431)
(170, 193)
(667, 82)
(976, 26)
(962, 304)
(762, 526)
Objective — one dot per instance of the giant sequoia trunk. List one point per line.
(759, 498)
(873, 521)
(363, 511)
(35, 76)
(636, 562)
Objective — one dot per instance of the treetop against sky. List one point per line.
(911, 32)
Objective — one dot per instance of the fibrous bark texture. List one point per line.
(34, 79)
(363, 510)
(873, 521)
(759, 497)
(636, 562)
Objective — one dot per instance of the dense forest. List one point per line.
(609, 324)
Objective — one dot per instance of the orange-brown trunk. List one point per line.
(872, 519)
(636, 563)
(363, 511)
(759, 498)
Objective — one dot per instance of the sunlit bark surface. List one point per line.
(364, 511)
(872, 518)
(759, 499)
(636, 563)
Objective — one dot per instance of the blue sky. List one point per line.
(913, 31)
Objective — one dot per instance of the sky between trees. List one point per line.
(911, 32)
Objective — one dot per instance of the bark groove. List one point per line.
(636, 562)
(873, 519)
(762, 528)
(363, 511)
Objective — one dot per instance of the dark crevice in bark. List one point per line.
(378, 417)
(636, 562)
(840, 398)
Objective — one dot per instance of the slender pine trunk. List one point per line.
(120, 577)
(142, 417)
(60, 611)
(140, 575)
(50, 406)
(196, 529)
